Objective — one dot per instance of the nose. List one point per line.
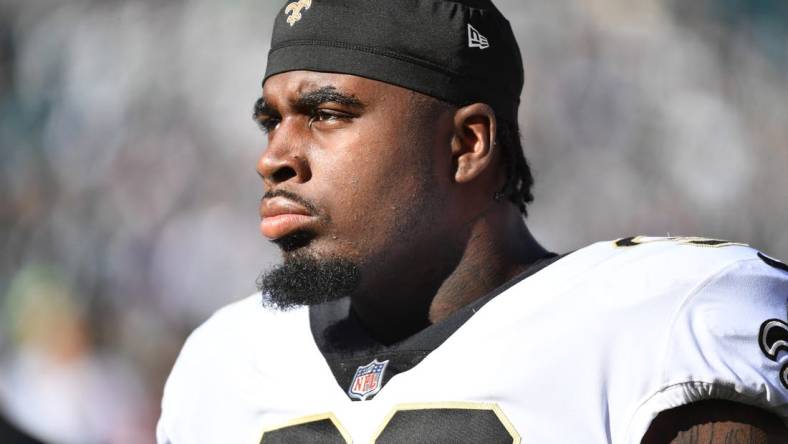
(283, 160)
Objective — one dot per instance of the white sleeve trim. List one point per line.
(677, 395)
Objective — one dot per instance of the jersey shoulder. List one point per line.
(676, 257)
(637, 271)
(234, 322)
(726, 332)
(218, 361)
(669, 268)
(230, 336)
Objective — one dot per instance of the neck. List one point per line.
(494, 256)
(495, 249)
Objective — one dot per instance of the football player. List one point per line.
(414, 306)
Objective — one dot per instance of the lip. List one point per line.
(281, 216)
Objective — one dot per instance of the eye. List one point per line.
(329, 116)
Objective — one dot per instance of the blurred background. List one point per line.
(128, 197)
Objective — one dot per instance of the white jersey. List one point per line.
(588, 349)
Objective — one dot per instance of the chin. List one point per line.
(318, 247)
(306, 278)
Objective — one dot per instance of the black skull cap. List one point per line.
(460, 51)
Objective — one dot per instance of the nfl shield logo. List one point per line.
(368, 380)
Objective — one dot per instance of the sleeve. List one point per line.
(729, 341)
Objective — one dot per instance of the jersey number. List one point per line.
(454, 423)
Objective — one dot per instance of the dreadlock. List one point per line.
(519, 179)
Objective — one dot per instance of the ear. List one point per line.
(473, 144)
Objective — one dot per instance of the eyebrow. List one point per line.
(326, 94)
(308, 101)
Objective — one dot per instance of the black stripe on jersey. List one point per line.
(773, 262)
(453, 425)
(322, 430)
(346, 345)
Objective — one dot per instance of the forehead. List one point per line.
(290, 85)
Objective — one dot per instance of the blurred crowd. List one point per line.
(128, 197)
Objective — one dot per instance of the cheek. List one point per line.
(379, 186)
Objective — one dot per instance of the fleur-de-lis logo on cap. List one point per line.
(293, 10)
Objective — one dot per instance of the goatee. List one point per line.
(305, 280)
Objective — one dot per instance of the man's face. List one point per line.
(355, 170)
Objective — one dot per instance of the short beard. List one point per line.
(305, 280)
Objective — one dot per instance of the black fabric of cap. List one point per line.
(460, 51)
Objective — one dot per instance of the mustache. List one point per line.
(311, 207)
